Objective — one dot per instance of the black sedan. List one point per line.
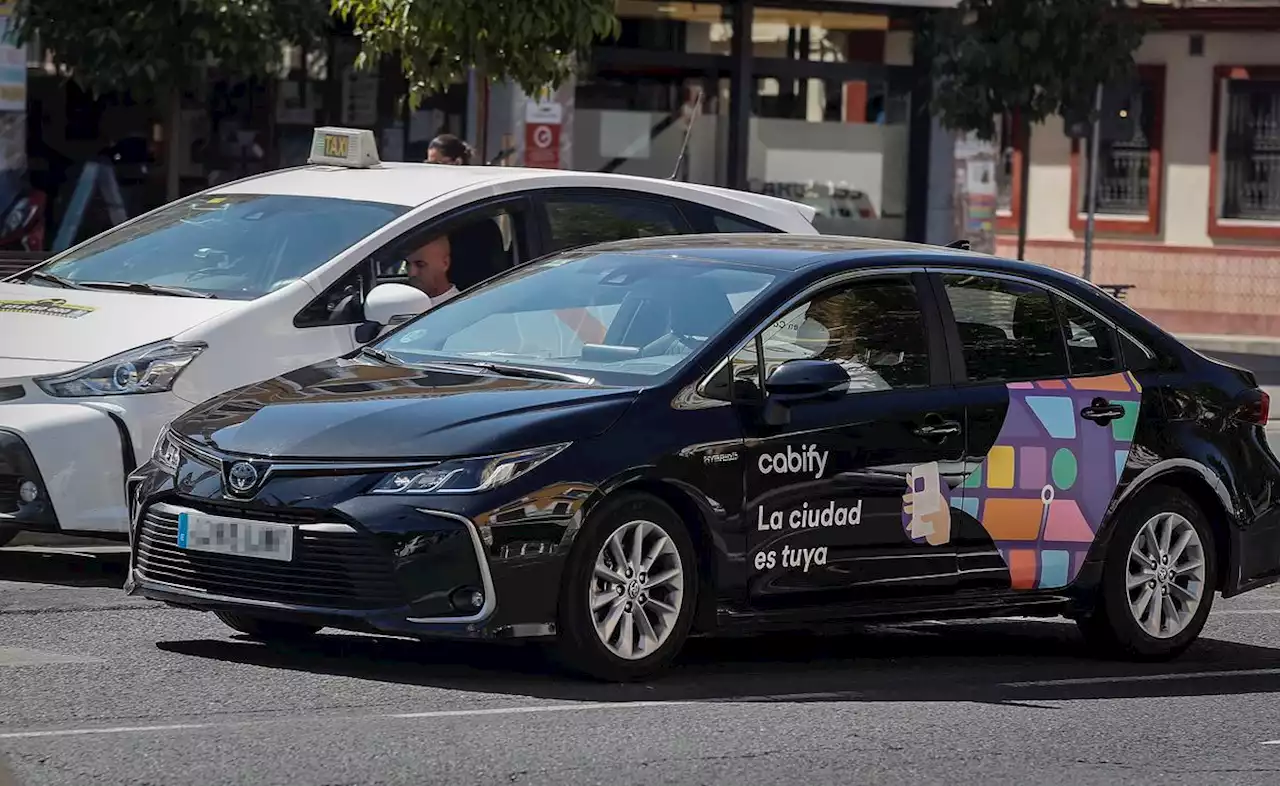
(618, 447)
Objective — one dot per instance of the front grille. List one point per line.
(9, 493)
(338, 570)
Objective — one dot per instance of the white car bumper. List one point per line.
(79, 456)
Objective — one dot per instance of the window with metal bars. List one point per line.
(1251, 150)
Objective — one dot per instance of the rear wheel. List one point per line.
(1158, 579)
(627, 599)
(266, 629)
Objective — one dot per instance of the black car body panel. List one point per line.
(962, 489)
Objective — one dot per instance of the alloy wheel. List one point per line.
(636, 590)
(1166, 575)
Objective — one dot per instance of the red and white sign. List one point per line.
(542, 123)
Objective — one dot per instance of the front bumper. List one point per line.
(365, 563)
(76, 455)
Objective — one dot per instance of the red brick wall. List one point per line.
(1215, 290)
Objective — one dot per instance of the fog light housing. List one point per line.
(468, 599)
(28, 492)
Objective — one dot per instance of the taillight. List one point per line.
(1255, 407)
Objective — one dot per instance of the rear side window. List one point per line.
(579, 221)
(1091, 343)
(1009, 331)
(723, 222)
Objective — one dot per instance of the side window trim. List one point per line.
(811, 291)
(598, 196)
(952, 331)
(364, 269)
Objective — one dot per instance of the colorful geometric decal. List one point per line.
(926, 511)
(1043, 488)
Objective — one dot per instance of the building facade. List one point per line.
(1188, 197)
(823, 102)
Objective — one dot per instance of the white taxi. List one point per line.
(103, 344)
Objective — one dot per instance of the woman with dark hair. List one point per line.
(448, 149)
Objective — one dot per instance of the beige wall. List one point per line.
(1188, 109)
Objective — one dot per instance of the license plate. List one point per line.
(222, 535)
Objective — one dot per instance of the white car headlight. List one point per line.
(166, 453)
(150, 369)
(462, 476)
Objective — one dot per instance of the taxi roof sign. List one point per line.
(350, 147)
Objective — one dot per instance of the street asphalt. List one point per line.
(100, 688)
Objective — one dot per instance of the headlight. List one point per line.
(166, 453)
(460, 476)
(150, 369)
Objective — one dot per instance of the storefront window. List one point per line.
(829, 113)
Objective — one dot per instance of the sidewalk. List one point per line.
(1233, 345)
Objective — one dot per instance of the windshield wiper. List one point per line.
(65, 283)
(382, 355)
(150, 289)
(528, 373)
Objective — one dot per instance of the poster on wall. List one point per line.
(546, 132)
(21, 211)
(976, 192)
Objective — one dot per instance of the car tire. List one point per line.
(7, 534)
(265, 629)
(639, 618)
(1120, 624)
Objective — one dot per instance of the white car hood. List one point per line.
(82, 326)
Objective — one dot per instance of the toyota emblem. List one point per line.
(242, 477)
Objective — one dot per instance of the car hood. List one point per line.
(83, 326)
(357, 410)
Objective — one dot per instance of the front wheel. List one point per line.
(627, 599)
(266, 629)
(1158, 579)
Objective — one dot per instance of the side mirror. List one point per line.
(387, 306)
(800, 381)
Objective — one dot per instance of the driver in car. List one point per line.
(429, 270)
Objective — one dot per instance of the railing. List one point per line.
(1124, 182)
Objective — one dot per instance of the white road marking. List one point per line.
(1186, 675)
(15, 656)
(1243, 611)
(21, 735)
(479, 712)
(1271, 742)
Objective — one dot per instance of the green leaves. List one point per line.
(535, 43)
(150, 47)
(1033, 57)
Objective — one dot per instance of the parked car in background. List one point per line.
(103, 344)
(766, 431)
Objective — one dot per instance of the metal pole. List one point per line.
(1092, 196)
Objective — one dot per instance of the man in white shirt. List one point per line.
(429, 270)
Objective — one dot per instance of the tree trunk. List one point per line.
(1024, 176)
(173, 112)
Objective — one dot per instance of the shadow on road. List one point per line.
(65, 568)
(980, 662)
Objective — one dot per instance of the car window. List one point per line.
(874, 328)
(1008, 330)
(579, 221)
(480, 247)
(238, 246)
(724, 222)
(616, 316)
(1091, 344)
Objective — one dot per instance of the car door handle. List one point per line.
(1102, 412)
(937, 429)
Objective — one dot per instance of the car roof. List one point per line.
(413, 184)
(793, 253)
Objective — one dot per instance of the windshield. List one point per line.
(238, 246)
(632, 319)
